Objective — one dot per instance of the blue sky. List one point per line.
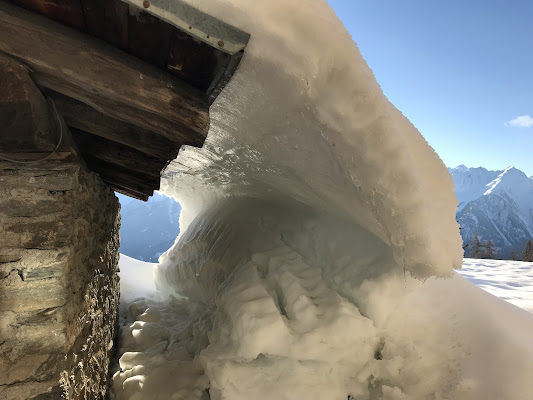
(459, 70)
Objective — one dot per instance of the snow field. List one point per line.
(511, 281)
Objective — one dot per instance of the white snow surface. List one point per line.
(438, 339)
(511, 281)
(136, 281)
(305, 216)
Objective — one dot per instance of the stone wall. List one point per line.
(59, 286)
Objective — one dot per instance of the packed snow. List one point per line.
(136, 282)
(316, 220)
(511, 281)
(441, 339)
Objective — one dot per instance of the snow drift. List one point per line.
(305, 216)
(442, 339)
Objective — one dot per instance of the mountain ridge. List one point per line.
(496, 205)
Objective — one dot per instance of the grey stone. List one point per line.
(59, 286)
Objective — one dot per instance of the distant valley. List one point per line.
(148, 228)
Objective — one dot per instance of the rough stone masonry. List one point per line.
(59, 285)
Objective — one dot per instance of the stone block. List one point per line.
(28, 233)
(20, 296)
(59, 286)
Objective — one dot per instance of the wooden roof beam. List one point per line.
(85, 118)
(117, 176)
(130, 193)
(109, 80)
(118, 154)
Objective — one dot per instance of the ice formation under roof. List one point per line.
(304, 118)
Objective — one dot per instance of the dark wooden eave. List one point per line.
(131, 100)
(136, 31)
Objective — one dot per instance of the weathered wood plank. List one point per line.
(104, 77)
(118, 154)
(116, 32)
(107, 20)
(129, 192)
(160, 124)
(127, 187)
(66, 11)
(94, 17)
(194, 61)
(149, 37)
(83, 117)
(112, 173)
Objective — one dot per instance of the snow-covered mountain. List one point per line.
(148, 229)
(496, 205)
